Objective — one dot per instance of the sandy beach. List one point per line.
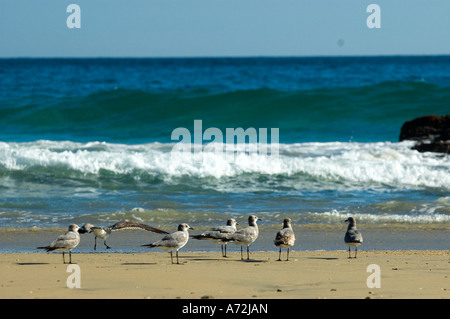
(201, 275)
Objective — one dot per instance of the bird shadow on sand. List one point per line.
(253, 261)
(209, 259)
(138, 264)
(323, 258)
(199, 258)
(31, 264)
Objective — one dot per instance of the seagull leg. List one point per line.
(279, 255)
(242, 257)
(356, 249)
(64, 260)
(104, 242)
(171, 258)
(177, 259)
(70, 257)
(95, 244)
(287, 256)
(248, 252)
(224, 250)
(349, 256)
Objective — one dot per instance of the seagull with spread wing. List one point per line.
(104, 232)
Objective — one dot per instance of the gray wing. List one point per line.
(173, 240)
(68, 240)
(353, 236)
(285, 237)
(223, 229)
(218, 233)
(131, 224)
(213, 235)
(244, 235)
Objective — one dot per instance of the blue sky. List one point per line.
(186, 28)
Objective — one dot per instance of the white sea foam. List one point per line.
(390, 165)
(380, 218)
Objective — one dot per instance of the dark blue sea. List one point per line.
(90, 140)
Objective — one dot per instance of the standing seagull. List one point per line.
(245, 236)
(353, 236)
(173, 241)
(285, 238)
(104, 232)
(65, 242)
(219, 234)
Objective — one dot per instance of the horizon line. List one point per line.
(229, 57)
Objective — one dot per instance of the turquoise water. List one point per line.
(143, 100)
(89, 140)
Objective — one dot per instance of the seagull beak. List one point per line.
(82, 231)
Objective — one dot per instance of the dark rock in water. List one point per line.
(437, 147)
(432, 133)
(425, 128)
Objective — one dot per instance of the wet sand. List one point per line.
(308, 237)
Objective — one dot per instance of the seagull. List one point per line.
(285, 238)
(173, 241)
(218, 234)
(353, 236)
(65, 242)
(104, 232)
(245, 236)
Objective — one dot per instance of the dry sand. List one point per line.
(308, 274)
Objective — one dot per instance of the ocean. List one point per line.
(91, 140)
